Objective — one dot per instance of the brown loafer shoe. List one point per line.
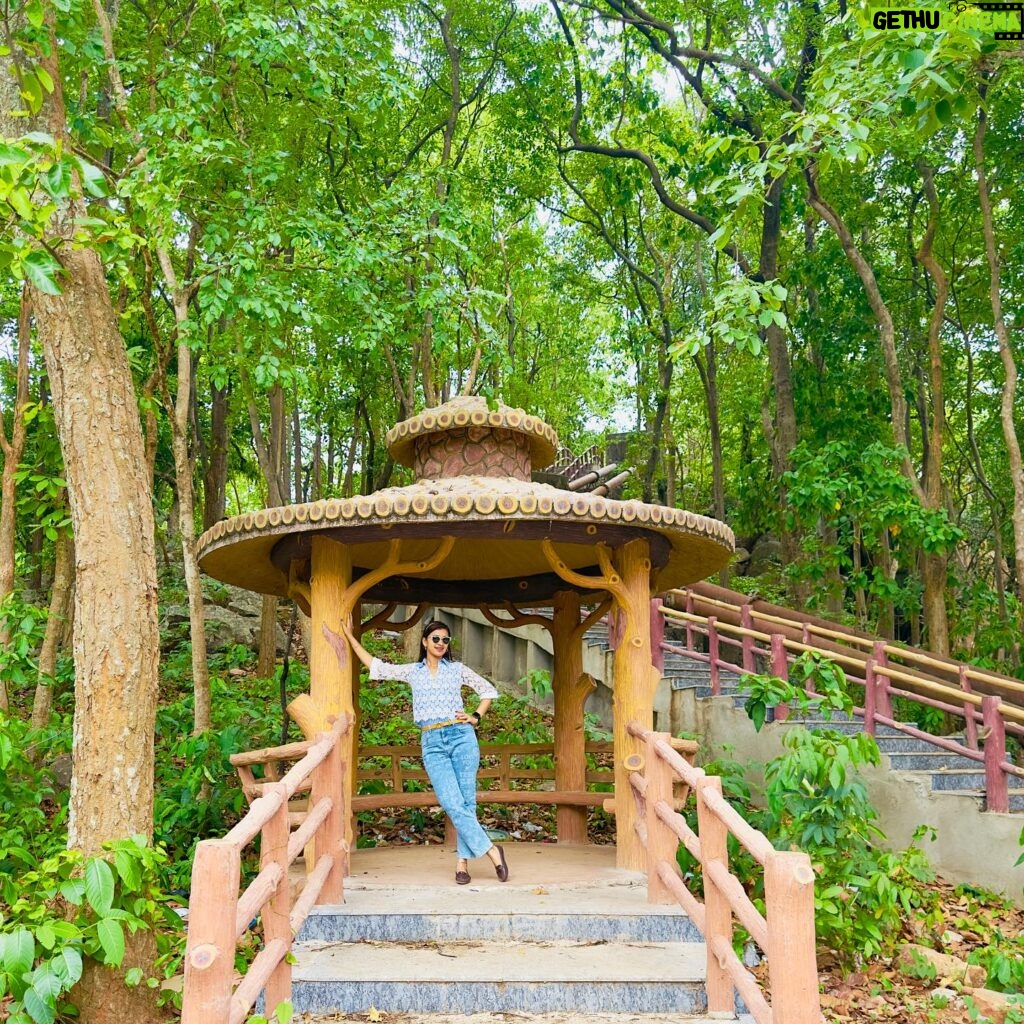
(462, 878)
(501, 870)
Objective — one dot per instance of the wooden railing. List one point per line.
(786, 930)
(766, 642)
(219, 916)
(497, 766)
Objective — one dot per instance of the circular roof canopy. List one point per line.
(498, 524)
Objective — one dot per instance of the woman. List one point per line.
(451, 754)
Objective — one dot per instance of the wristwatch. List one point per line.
(477, 716)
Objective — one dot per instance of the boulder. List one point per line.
(766, 554)
(947, 968)
(993, 1006)
(225, 628)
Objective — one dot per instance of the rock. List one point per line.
(765, 555)
(993, 1006)
(942, 997)
(225, 627)
(947, 968)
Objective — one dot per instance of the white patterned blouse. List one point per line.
(435, 698)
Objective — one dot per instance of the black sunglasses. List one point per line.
(446, 640)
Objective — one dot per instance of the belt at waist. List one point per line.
(441, 725)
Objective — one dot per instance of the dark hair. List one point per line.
(427, 630)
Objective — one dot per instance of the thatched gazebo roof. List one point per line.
(474, 466)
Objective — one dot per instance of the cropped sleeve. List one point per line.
(483, 687)
(386, 670)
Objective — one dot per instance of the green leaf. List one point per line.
(67, 966)
(39, 1009)
(111, 939)
(133, 977)
(40, 270)
(99, 885)
(93, 180)
(17, 952)
(19, 199)
(128, 870)
(913, 59)
(34, 13)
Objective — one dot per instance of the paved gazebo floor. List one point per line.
(530, 865)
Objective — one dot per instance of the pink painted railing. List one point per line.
(786, 930)
(219, 916)
(756, 641)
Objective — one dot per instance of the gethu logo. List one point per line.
(998, 18)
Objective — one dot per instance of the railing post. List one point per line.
(747, 642)
(714, 834)
(780, 669)
(276, 912)
(662, 842)
(997, 796)
(716, 683)
(657, 634)
(210, 950)
(326, 785)
(883, 696)
(689, 622)
(970, 723)
(789, 911)
(869, 696)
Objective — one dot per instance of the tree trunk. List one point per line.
(215, 476)
(268, 638)
(117, 640)
(12, 450)
(934, 563)
(1005, 349)
(183, 475)
(60, 604)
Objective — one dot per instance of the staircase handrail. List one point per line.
(931, 664)
(219, 916)
(934, 688)
(985, 715)
(786, 930)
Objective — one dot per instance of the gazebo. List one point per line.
(475, 531)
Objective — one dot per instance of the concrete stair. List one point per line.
(589, 949)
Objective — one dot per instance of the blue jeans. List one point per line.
(451, 756)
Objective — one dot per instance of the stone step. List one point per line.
(908, 744)
(474, 976)
(1016, 798)
(958, 779)
(484, 915)
(930, 760)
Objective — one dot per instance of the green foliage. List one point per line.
(537, 683)
(809, 670)
(31, 819)
(70, 909)
(26, 624)
(197, 795)
(857, 497)
(282, 1015)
